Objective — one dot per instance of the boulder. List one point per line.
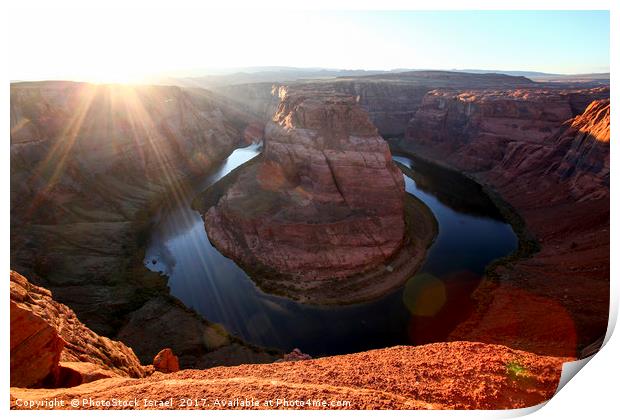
(166, 362)
(36, 346)
(294, 356)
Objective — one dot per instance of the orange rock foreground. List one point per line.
(460, 375)
(106, 374)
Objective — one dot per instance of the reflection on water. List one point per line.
(471, 234)
(451, 188)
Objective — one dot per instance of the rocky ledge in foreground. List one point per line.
(51, 347)
(323, 212)
(458, 375)
(54, 357)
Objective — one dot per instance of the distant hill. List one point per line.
(446, 79)
(269, 74)
(214, 78)
(540, 76)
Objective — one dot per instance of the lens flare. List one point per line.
(424, 295)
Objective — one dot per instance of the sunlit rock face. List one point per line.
(572, 163)
(583, 144)
(475, 129)
(324, 201)
(45, 332)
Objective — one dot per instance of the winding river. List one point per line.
(471, 234)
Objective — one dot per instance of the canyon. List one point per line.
(90, 163)
(541, 150)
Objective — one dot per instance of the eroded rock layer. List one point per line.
(325, 199)
(475, 128)
(45, 332)
(554, 170)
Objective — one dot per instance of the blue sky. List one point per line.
(116, 44)
(552, 41)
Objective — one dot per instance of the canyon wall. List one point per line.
(474, 128)
(323, 202)
(390, 100)
(260, 99)
(390, 106)
(88, 163)
(553, 168)
(576, 156)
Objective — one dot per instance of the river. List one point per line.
(471, 234)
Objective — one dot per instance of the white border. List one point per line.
(592, 393)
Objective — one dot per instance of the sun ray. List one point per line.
(52, 167)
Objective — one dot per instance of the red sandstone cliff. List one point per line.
(50, 346)
(575, 156)
(473, 129)
(325, 200)
(554, 170)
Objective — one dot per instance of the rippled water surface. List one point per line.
(471, 234)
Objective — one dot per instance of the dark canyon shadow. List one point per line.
(451, 188)
(471, 234)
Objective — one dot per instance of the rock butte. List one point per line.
(324, 202)
(459, 375)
